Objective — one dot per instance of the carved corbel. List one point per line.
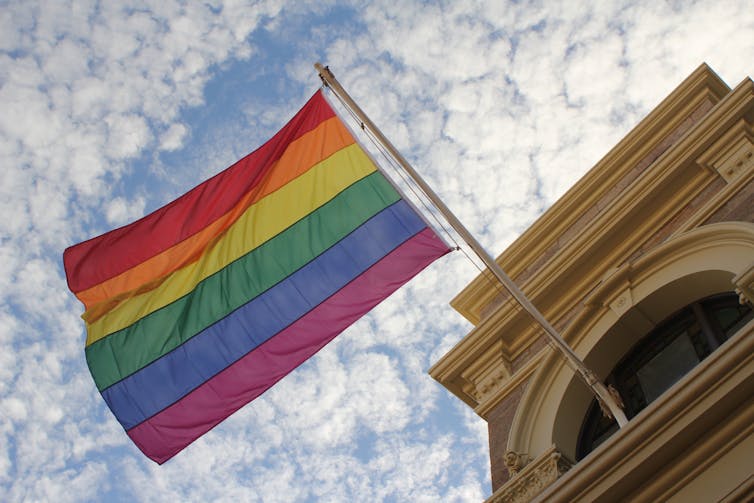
(515, 461)
(532, 478)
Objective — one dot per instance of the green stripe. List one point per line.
(124, 352)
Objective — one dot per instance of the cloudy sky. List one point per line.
(109, 110)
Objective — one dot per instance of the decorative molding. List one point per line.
(635, 224)
(487, 366)
(481, 389)
(732, 154)
(699, 92)
(671, 140)
(735, 238)
(533, 478)
(622, 303)
(505, 388)
(716, 202)
(745, 285)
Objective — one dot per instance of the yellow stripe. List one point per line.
(300, 155)
(259, 223)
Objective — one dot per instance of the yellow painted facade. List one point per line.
(664, 219)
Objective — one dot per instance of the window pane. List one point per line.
(667, 367)
(731, 318)
(661, 358)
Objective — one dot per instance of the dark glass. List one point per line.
(663, 357)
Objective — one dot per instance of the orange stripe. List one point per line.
(299, 157)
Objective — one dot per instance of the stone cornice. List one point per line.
(617, 231)
(701, 85)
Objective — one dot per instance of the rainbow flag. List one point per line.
(199, 307)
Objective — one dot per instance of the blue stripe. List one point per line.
(168, 379)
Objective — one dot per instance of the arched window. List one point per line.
(663, 357)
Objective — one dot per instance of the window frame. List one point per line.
(595, 428)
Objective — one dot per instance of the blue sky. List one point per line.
(109, 110)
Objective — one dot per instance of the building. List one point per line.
(646, 267)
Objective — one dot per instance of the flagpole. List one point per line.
(605, 398)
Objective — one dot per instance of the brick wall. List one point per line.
(738, 208)
(499, 422)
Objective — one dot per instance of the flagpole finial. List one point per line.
(324, 73)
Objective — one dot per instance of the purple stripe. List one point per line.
(164, 381)
(168, 432)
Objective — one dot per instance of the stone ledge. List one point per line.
(530, 479)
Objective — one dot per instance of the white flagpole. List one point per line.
(607, 401)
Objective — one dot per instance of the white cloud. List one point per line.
(502, 106)
(417, 481)
(172, 139)
(121, 211)
(15, 409)
(127, 135)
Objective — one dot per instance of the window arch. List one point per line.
(663, 357)
(629, 303)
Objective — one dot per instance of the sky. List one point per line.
(109, 110)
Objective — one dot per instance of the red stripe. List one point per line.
(168, 432)
(105, 256)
